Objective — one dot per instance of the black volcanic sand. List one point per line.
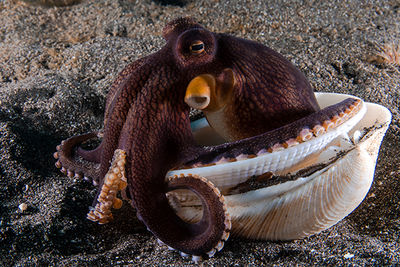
(56, 66)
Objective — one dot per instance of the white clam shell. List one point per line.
(309, 204)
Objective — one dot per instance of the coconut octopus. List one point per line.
(278, 162)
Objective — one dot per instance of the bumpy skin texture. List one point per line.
(147, 118)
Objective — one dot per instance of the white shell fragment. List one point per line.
(23, 207)
(344, 162)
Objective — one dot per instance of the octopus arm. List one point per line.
(74, 160)
(124, 80)
(253, 145)
(150, 153)
(76, 164)
(122, 98)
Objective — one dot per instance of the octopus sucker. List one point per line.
(114, 181)
(265, 121)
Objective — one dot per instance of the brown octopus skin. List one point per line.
(146, 117)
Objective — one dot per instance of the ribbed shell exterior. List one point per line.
(312, 204)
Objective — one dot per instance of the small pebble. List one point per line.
(23, 207)
(348, 255)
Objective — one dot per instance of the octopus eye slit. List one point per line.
(197, 47)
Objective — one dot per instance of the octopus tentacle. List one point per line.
(199, 239)
(215, 224)
(124, 79)
(120, 98)
(286, 136)
(146, 176)
(76, 164)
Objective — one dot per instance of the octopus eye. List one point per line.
(197, 47)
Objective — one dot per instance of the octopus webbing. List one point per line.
(274, 140)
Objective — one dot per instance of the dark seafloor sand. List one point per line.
(56, 66)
